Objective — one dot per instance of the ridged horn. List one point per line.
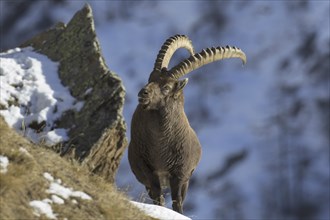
(168, 49)
(206, 56)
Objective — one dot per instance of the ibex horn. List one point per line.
(168, 49)
(207, 56)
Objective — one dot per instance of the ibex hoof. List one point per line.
(177, 206)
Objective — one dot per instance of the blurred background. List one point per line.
(264, 127)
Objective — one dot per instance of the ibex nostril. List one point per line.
(143, 92)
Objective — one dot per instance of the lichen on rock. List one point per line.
(97, 131)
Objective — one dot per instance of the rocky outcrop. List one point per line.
(97, 131)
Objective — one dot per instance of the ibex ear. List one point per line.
(181, 84)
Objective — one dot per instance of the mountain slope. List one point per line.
(27, 180)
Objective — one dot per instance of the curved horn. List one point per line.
(207, 56)
(169, 47)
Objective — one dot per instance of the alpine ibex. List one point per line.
(164, 150)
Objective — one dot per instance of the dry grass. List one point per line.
(24, 182)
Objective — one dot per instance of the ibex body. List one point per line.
(164, 150)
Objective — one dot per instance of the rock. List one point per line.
(97, 131)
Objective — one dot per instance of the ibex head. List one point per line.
(164, 86)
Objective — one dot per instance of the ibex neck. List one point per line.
(173, 117)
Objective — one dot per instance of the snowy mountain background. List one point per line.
(264, 127)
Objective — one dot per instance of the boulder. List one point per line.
(97, 131)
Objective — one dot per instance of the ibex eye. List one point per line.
(167, 88)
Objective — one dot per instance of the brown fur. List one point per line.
(164, 150)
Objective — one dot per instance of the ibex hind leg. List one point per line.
(184, 190)
(155, 193)
(178, 192)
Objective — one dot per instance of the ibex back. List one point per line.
(164, 150)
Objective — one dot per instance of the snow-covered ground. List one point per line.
(159, 212)
(58, 195)
(273, 111)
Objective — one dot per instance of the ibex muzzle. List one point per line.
(164, 150)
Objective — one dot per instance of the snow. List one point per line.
(24, 151)
(42, 208)
(32, 93)
(4, 162)
(56, 199)
(88, 91)
(74, 201)
(56, 188)
(159, 212)
(59, 194)
(59, 190)
(48, 177)
(64, 192)
(81, 195)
